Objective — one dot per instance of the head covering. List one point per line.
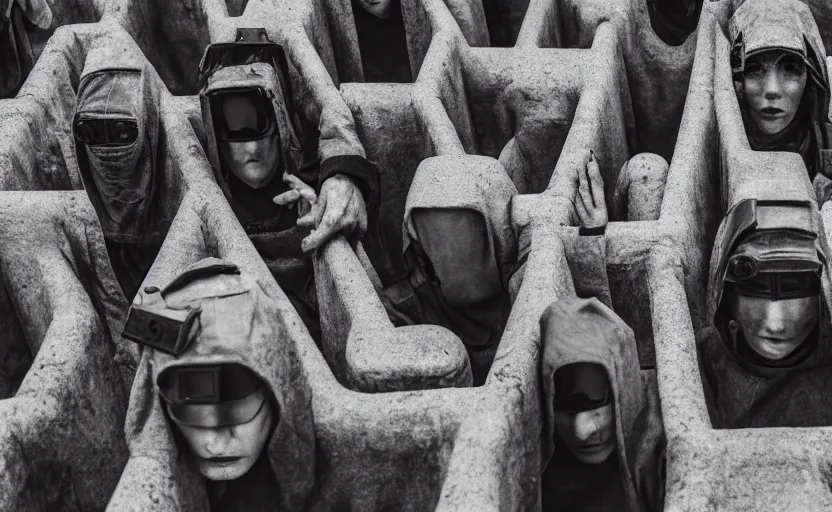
(123, 182)
(785, 25)
(674, 20)
(274, 83)
(484, 188)
(770, 237)
(586, 331)
(239, 322)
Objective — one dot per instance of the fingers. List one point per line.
(313, 216)
(584, 192)
(596, 181)
(333, 219)
(285, 198)
(305, 190)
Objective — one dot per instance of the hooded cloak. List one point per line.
(383, 45)
(674, 20)
(786, 25)
(271, 228)
(734, 384)
(586, 331)
(487, 190)
(125, 184)
(241, 322)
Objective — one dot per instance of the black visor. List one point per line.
(242, 115)
(581, 387)
(105, 132)
(780, 286)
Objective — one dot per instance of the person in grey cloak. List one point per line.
(766, 317)
(119, 149)
(603, 438)
(255, 136)
(220, 400)
(460, 248)
(778, 62)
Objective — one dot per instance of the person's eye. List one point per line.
(755, 70)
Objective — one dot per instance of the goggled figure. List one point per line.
(603, 435)
(219, 396)
(265, 159)
(766, 313)
(118, 141)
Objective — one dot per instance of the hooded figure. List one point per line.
(457, 228)
(245, 104)
(783, 27)
(222, 361)
(766, 311)
(119, 146)
(16, 55)
(595, 458)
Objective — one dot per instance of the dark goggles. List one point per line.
(780, 286)
(581, 387)
(243, 115)
(211, 396)
(106, 132)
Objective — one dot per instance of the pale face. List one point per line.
(379, 8)
(254, 162)
(774, 329)
(589, 435)
(773, 83)
(227, 453)
(456, 242)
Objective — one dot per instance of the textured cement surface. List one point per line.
(396, 425)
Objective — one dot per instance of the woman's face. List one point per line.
(773, 87)
(227, 453)
(589, 435)
(775, 328)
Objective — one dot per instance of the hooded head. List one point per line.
(460, 218)
(249, 124)
(592, 387)
(219, 378)
(764, 293)
(117, 138)
(778, 62)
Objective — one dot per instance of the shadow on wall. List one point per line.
(172, 35)
(15, 355)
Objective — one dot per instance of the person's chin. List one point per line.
(772, 126)
(256, 176)
(594, 454)
(225, 470)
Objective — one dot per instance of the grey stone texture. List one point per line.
(397, 425)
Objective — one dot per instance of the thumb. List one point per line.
(37, 12)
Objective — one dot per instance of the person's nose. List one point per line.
(585, 425)
(772, 86)
(216, 441)
(775, 318)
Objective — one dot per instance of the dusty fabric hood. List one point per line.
(241, 322)
(762, 25)
(586, 331)
(488, 190)
(123, 182)
(16, 55)
(275, 84)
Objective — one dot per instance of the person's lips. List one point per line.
(771, 112)
(222, 460)
(592, 447)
